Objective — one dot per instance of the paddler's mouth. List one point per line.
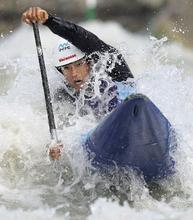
(78, 82)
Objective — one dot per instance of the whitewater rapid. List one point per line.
(31, 187)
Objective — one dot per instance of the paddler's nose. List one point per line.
(74, 71)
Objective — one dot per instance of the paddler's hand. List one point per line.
(35, 14)
(55, 151)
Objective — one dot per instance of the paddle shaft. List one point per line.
(45, 84)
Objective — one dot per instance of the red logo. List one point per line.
(67, 58)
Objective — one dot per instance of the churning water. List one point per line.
(32, 187)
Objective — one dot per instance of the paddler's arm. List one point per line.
(77, 35)
(81, 38)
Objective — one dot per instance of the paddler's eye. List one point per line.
(79, 64)
(64, 68)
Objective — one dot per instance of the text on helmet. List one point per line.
(67, 58)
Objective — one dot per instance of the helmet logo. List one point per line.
(67, 58)
(64, 46)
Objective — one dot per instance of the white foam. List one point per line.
(163, 72)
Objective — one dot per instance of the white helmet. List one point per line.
(65, 53)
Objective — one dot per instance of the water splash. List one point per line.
(31, 185)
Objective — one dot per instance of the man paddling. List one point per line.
(136, 134)
(79, 56)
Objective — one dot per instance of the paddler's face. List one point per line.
(76, 73)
